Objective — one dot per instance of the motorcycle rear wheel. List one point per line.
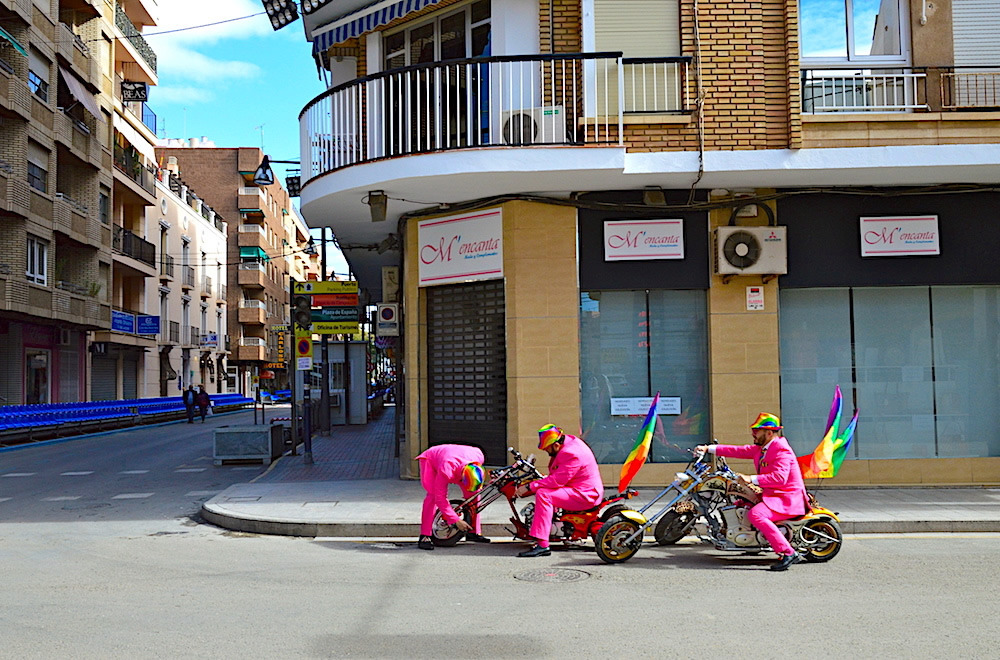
(444, 535)
(672, 527)
(610, 540)
(820, 548)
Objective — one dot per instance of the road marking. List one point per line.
(76, 474)
(132, 496)
(64, 498)
(201, 493)
(20, 474)
(245, 467)
(134, 472)
(190, 470)
(4, 499)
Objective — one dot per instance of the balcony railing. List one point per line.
(256, 304)
(188, 276)
(869, 90)
(206, 286)
(175, 331)
(127, 27)
(970, 88)
(253, 341)
(167, 265)
(567, 99)
(131, 245)
(134, 168)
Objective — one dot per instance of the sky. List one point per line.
(239, 84)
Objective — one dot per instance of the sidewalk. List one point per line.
(353, 489)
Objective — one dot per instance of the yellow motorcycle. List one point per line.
(711, 501)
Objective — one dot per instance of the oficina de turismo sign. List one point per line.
(643, 240)
(900, 236)
(461, 248)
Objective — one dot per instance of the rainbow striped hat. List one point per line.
(767, 421)
(548, 435)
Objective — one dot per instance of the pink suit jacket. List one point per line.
(574, 467)
(448, 461)
(778, 474)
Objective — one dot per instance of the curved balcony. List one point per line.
(574, 99)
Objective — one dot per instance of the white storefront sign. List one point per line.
(643, 240)
(639, 405)
(900, 236)
(461, 248)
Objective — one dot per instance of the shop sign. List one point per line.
(148, 325)
(461, 248)
(639, 405)
(281, 343)
(887, 236)
(643, 240)
(122, 321)
(210, 340)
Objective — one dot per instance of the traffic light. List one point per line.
(302, 311)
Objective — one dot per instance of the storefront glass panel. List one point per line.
(922, 364)
(633, 344)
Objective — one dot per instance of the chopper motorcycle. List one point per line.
(568, 526)
(710, 500)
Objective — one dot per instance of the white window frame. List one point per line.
(854, 60)
(37, 268)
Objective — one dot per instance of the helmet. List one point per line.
(473, 476)
(767, 421)
(548, 435)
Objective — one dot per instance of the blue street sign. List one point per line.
(148, 325)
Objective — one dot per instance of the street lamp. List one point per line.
(281, 12)
(309, 6)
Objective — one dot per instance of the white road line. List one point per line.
(246, 467)
(20, 474)
(190, 470)
(202, 493)
(65, 498)
(4, 499)
(76, 474)
(134, 472)
(132, 496)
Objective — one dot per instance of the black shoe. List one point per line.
(476, 538)
(537, 551)
(425, 543)
(785, 562)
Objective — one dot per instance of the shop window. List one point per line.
(38, 261)
(920, 364)
(634, 344)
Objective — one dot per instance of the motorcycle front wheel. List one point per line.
(610, 540)
(445, 535)
(822, 538)
(672, 527)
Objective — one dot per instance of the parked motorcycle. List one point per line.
(568, 526)
(709, 500)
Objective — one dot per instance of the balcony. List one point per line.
(251, 348)
(167, 267)
(251, 235)
(571, 99)
(187, 277)
(252, 274)
(130, 245)
(206, 288)
(170, 331)
(134, 37)
(252, 199)
(135, 170)
(252, 312)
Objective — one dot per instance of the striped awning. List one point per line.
(364, 20)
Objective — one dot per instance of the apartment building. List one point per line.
(265, 247)
(739, 205)
(191, 289)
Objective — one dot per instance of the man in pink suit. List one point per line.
(779, 476)
(574, 483)
(442, 465)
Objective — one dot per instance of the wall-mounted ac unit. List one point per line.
(751, 251)
(545, 125)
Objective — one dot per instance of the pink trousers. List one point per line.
(547, 500)
(427, 477)
(763, 518)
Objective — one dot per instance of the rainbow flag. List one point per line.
(829, 454)
(640, 452)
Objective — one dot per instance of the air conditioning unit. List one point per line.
(545, 125)
(751, 251)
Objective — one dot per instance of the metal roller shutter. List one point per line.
(467, 367)
(130, 378)
(103, 379)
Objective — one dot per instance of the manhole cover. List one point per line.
(553, 575)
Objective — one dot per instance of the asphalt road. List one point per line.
(158, 472)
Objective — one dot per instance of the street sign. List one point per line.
(387, 320)
(324, 287)
(335, 300)
(304, 364)
(335, 314)
(335, 327)
(303, 346)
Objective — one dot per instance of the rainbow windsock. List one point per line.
(829, 454)
(640, 452)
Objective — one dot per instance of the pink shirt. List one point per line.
(447, 462)
(574, 467)
(777, 473)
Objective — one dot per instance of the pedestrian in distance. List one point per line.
(778, 475)
(574, 483)
(188, 398)
(203, 401)
(440, 466)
